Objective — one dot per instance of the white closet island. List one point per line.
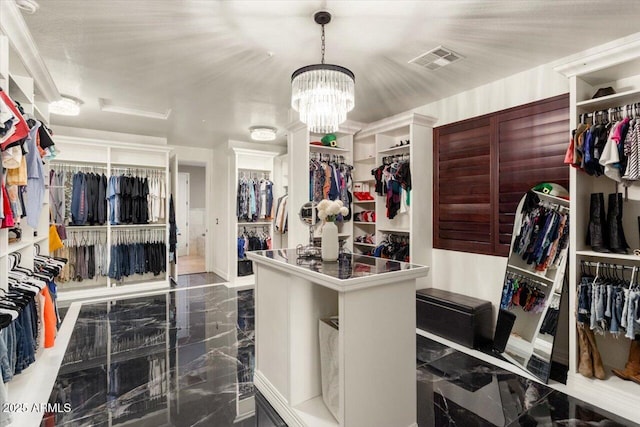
(374, 300)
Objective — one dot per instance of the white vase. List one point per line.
(329, 241)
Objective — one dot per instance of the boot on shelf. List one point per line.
(596, 231)
(632, 368)
(585, 364)
(598, 368)
(617, 241)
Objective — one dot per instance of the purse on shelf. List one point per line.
(245, 267)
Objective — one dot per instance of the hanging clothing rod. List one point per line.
(607, 264)
(613, 113)
(527, 278)
(60, 163)
(254, 170)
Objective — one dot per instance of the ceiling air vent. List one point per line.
(436, 58)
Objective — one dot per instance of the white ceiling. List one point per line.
(222, 66)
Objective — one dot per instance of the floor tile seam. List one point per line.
(145, 294)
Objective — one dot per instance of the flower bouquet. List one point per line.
(330, 212)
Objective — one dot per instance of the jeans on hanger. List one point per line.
(5, 368)
(584, 300)
(616, 309)
(633, 327)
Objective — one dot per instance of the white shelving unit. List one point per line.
(248, 158)
(344, 148)
(111, 157)
(19, 83)
(299, 149)
(387, 138)
(20, 87)
(616, 64)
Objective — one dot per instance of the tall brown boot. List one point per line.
(598, 368)
(632, 368)
(585, 365)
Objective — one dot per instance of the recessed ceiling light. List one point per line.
(262, 133)
(67, 106)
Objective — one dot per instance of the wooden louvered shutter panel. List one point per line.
(462, 186)
(532, 141)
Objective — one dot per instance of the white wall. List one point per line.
(481, 276)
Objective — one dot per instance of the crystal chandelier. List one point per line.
(322, 93)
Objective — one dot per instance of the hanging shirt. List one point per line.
(35, 179)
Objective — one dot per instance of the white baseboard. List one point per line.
(276, 400)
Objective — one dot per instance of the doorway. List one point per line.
(190, 218)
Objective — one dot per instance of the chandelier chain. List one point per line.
(322, 38)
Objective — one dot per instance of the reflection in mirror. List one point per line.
(309, 216)
(532, 287)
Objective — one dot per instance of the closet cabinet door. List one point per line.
(462, 186)
(531, 146)
(484, 165)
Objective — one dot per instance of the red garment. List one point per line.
(7, 221)
(22, 129)
(50, 319)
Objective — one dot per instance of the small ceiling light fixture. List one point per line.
(262, 133)
(322, 93)
(67, 106)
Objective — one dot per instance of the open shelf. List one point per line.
(254, 223)
(363, 201)
(24, 243)
(393, 230)
(364, 222)
(529, 273)
(394, 149)
(369, 245)
(324, 149)
(626, 97)
(611, 256)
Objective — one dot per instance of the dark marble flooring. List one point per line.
(185, 358)
(455, 389)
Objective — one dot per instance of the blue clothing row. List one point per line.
(542, 237)
(137, 258)
(88, 199)
(18, 342)
(609, 306)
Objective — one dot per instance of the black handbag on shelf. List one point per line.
(245, 267)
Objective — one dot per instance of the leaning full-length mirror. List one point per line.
(532, 287)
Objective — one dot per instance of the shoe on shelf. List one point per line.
(15, 234)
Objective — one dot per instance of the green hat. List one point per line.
(329, 140)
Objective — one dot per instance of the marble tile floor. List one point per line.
(455, 389)
(185, 358)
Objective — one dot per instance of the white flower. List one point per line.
(328, 210)
(323, 205)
